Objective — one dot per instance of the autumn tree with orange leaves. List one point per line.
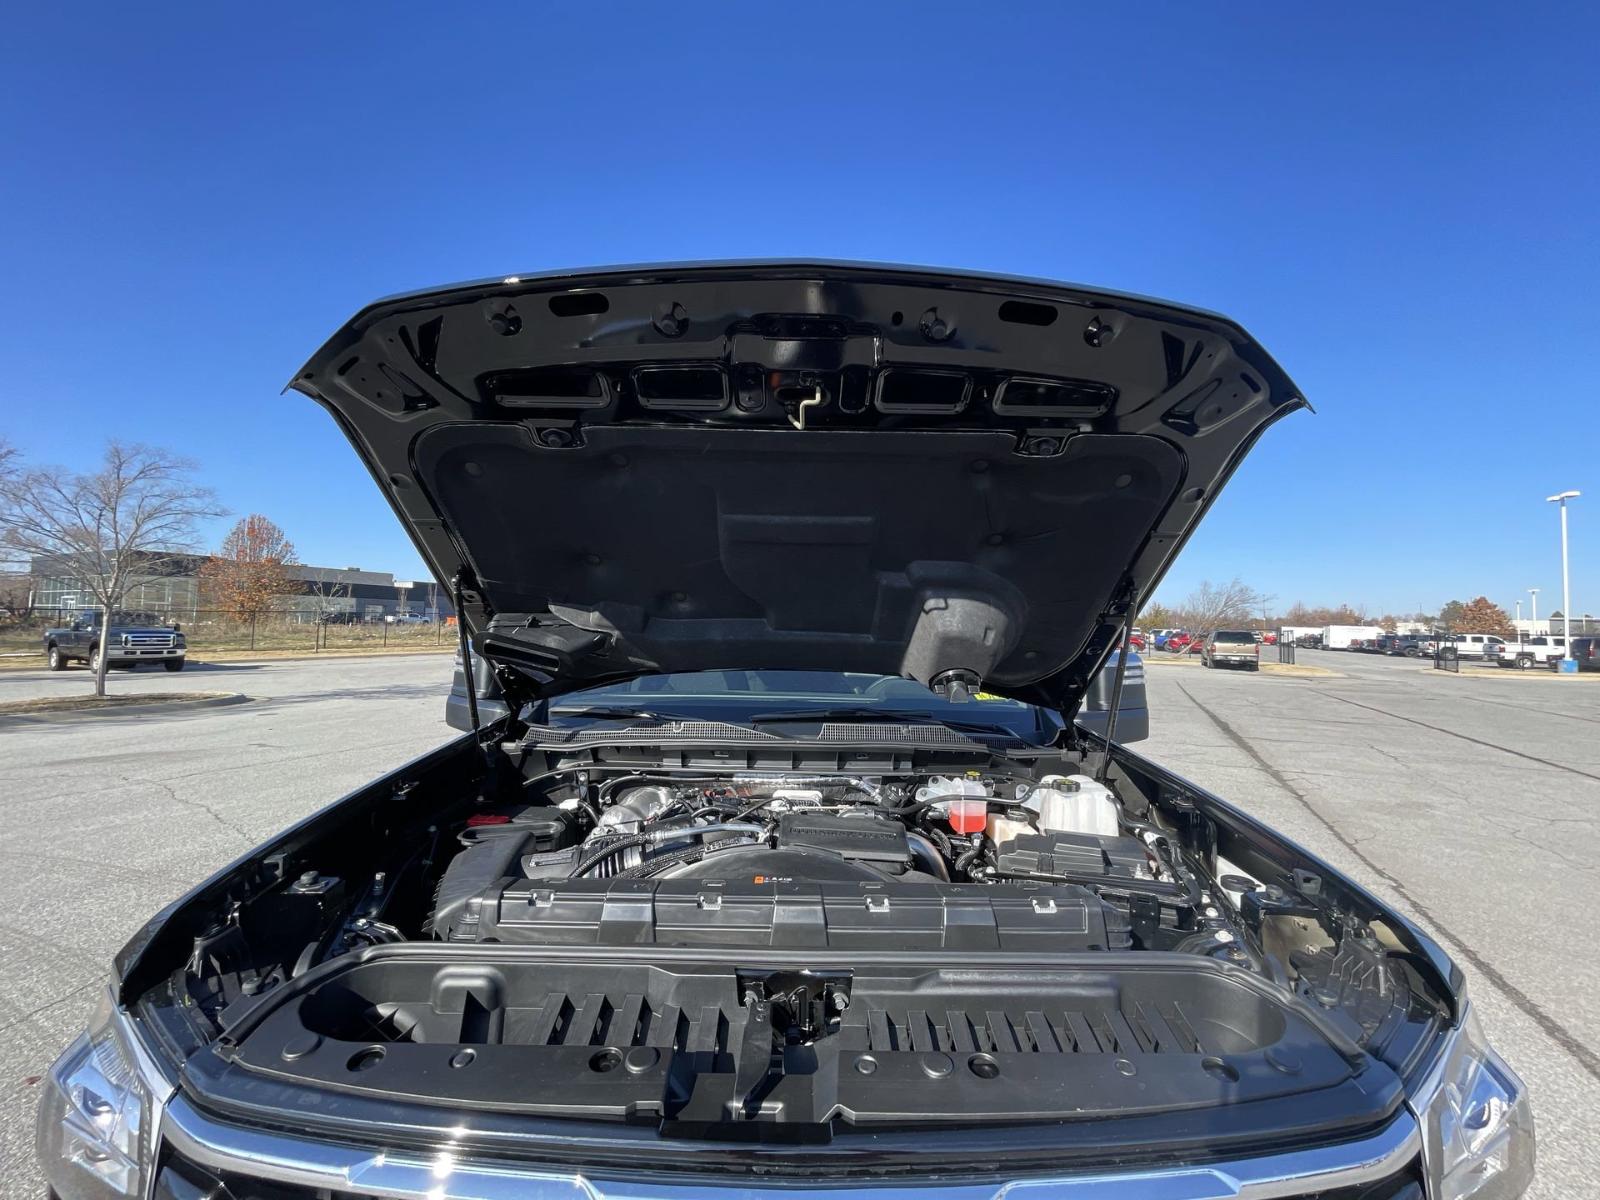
(1485, 616)
(249, 571)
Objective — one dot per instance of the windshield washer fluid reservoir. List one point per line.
(1074, 804)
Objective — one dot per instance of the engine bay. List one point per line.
(736, 952)
(972, 861)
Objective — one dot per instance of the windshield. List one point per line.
(1234, 635)
(743, 696)
(91, 616)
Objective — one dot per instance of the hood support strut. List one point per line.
(1124, 641)
(466, 658)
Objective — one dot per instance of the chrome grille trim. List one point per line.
(348, 1169)
(149, 641)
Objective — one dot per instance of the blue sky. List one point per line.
(1400, 202)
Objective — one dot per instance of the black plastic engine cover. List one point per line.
(1072, 856)
(865, 838)
(759, 909)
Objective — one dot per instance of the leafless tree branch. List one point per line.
(130, 517)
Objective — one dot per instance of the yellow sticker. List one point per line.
(987, 696)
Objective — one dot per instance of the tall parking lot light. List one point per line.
(1568, 665)
(1533, 603)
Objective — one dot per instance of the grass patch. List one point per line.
(52, 704)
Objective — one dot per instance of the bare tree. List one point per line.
(1220, 606)
(250, 571)
(106, 527)
(330, 598)
(16, 585)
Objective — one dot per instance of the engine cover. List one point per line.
(737, 907)
(762, 865)
(863, 838)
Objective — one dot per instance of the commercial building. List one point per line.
(1553, 625)
(170, 586)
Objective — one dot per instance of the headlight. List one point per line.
(97, 1113)
(1477, 1122)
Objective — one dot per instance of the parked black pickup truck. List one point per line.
(135, 638)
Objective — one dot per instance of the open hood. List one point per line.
(797, 465)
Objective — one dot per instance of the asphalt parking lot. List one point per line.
(1470, 802)
(105, 819)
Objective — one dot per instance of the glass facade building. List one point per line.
(172, 589)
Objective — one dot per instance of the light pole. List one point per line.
(1519, 610)
(1533, 604)
(1566, 581)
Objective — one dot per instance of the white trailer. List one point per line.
(1340, 637)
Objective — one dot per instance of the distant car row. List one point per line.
(1182, 641)
(1234, 647)
(1530, 652)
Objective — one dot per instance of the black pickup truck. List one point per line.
(134, 638)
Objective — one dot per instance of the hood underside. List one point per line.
(797, 465)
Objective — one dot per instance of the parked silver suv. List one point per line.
(1231, 648)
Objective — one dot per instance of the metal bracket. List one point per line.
(798, 420)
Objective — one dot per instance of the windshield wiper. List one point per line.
(881, 716)
(604, 713)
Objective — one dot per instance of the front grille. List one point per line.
(179, 1176)
(149, 641)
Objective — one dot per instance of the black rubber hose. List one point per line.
(922, 847)
(746, 813)
(653, 837)
(1175, 863)
(966, 859)
(601, 853)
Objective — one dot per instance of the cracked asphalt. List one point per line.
(1471, 803)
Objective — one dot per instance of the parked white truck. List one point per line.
(1530, 652)
(1342, 637)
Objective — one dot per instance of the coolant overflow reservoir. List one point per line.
(1074, 804)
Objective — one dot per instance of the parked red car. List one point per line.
(1179, 642)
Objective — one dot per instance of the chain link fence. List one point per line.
(211, 632)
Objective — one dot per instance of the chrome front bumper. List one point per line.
(339, 1169)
